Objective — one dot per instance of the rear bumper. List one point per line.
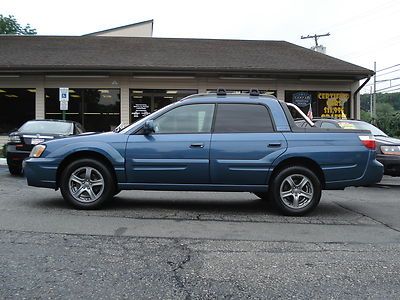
(41, 172)
(391, 163)
(373, 174)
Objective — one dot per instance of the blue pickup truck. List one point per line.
(209, 142)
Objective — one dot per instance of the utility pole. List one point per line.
(315, 37)
(370, 102)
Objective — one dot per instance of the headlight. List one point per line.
(390, 150)
(14, 139)
(37, 151)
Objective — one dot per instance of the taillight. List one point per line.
(368, 141)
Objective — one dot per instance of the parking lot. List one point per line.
(181, 245)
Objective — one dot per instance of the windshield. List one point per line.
(361, 125)
(149, 117)
(46, 127)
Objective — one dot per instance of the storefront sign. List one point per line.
(140, 110)
(334, 105)
(301, 99)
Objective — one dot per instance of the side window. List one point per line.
(243, 118)
(194, 118)
(328, 125)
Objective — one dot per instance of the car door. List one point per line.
(177, 152)
(244, 144)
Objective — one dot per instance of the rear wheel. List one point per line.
(296, 190)
(87, 184)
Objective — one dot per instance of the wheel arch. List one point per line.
(84, 154)
(299, 161)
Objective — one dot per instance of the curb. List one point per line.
(3, 162)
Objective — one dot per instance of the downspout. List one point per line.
(355, 95)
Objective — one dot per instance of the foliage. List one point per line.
(3, 152)
(387, 112)
(10, 25)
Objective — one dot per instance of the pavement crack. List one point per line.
(366, 216)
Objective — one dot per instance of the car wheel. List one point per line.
(265, 196)
(15, 169)
(296, 190)
(87, 184)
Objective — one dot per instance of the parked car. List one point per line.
(209, 142)
(31, 133)
(387, 148)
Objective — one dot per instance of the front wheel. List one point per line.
(87, 184)
(296, 190)
(15, 169)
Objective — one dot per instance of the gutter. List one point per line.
(356, 93)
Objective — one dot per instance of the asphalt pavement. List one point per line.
(183, 245)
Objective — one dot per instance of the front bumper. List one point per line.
(41, 172)
(391, 164)
(15, 156)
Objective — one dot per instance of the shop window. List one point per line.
(323, 104)
(16, 107)
(95, 109)
(144, 102)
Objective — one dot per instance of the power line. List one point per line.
(388, 68)
(389, 72)
(393, 86)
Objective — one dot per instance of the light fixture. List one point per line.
(3, 91)
(31, 90)
(75, 96)
(77, 76)
(104, 91)
(71, 91)
(11, 96)
(9, 76)
(246, 78)
(164, 77)
(138, 97)
(166, 97)
(172, 92)
(137, 92)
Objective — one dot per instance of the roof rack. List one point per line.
(254, 92)
(221, 92)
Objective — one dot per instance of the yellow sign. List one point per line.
(334, 107)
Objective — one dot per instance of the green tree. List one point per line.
(10, 25)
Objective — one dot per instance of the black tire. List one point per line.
(90, 193)
(15, 169)
(265, 196)
(308, 196)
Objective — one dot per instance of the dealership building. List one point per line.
(123, 74)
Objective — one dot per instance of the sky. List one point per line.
(361, 31)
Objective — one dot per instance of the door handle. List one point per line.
(197, 145)
(274, 144)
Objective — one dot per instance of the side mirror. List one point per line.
(148, 127)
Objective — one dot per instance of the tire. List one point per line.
(87, 184)
(15, 169)
(296, 182)
(117, 191)
(265, 196)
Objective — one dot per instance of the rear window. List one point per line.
(242, 118)
(46, 127)
(361, 125)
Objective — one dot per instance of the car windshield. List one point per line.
(361, 125)
(46, 127)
